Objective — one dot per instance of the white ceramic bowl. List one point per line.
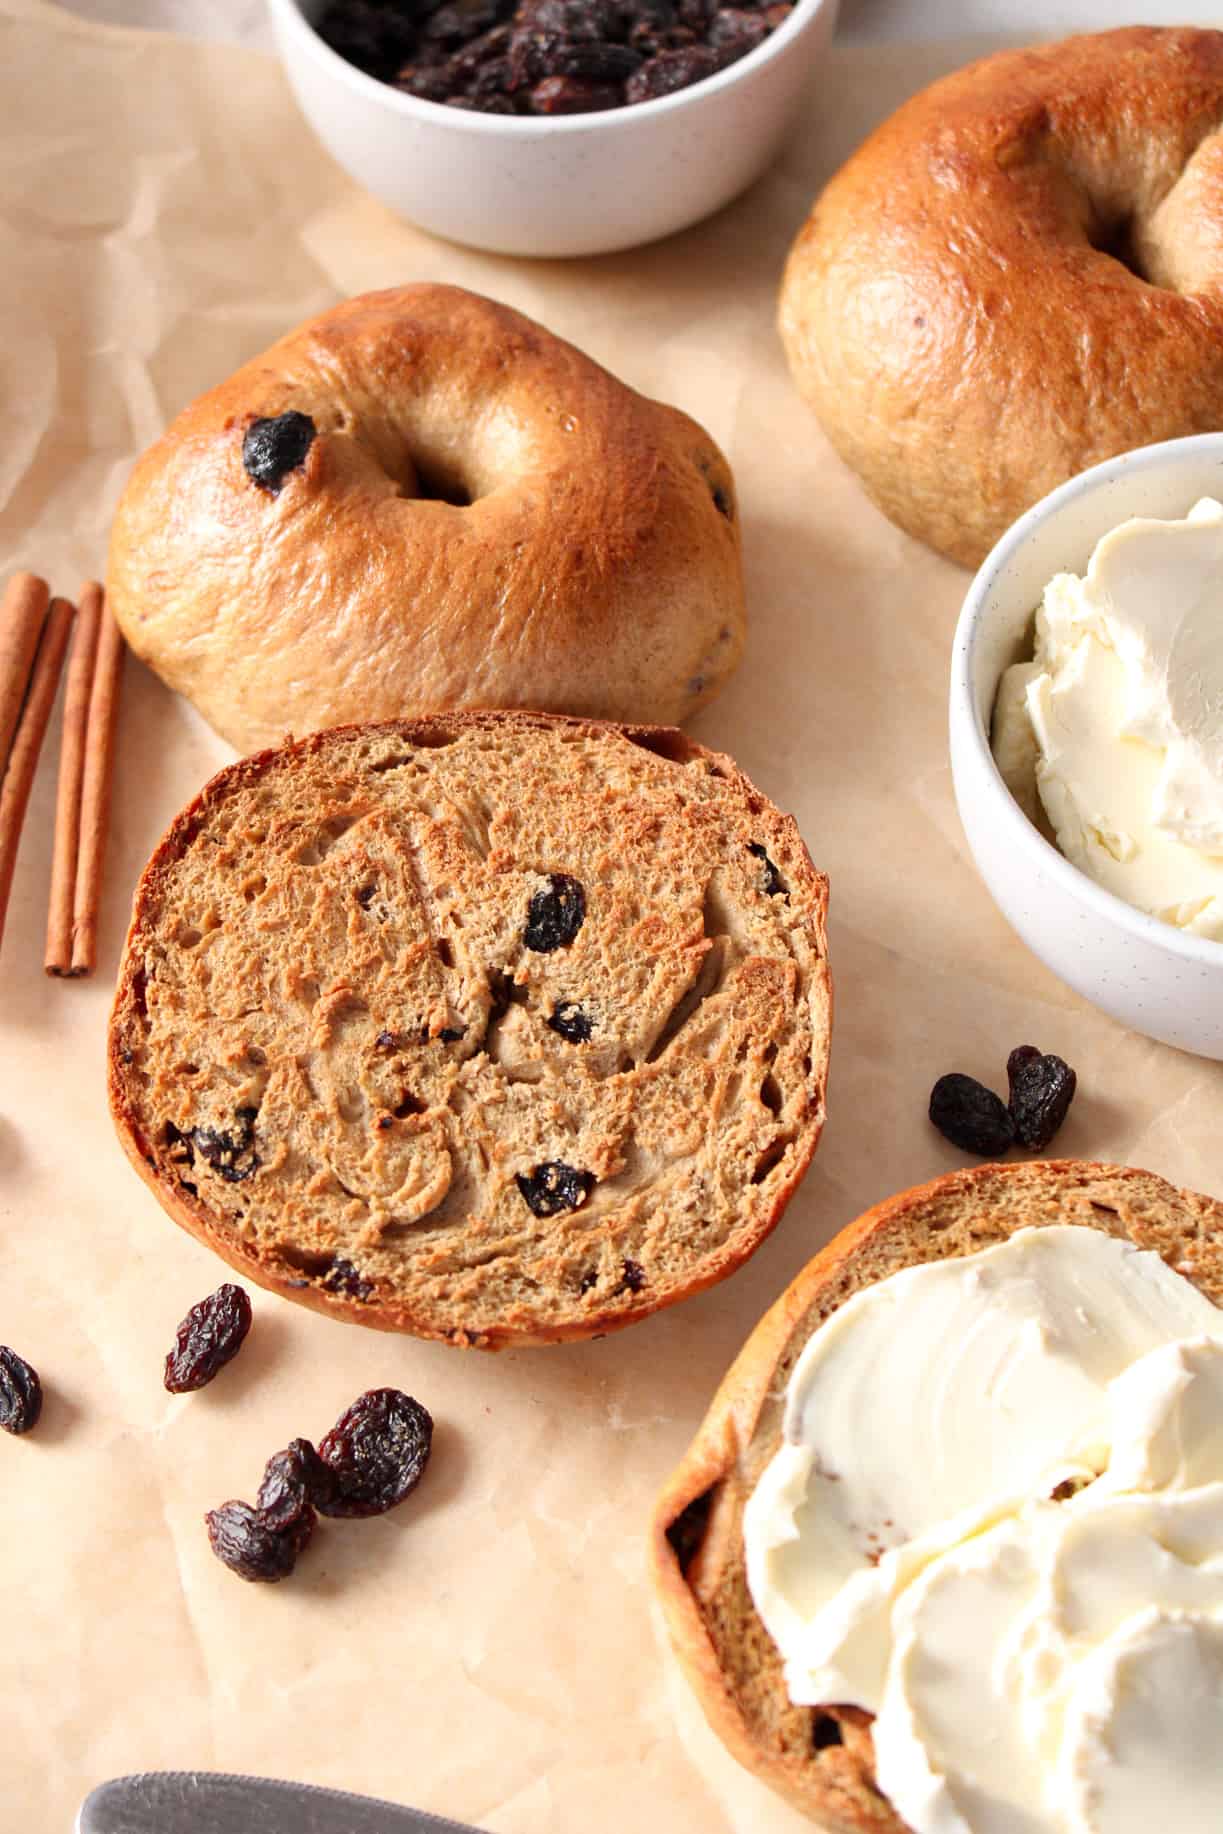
(564, 184)
(1143, 972)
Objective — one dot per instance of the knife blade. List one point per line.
(208, 1802)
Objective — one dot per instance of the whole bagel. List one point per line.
(423, 500)
(1019, 274)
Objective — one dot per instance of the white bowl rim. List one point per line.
(1203, 951)
(526, 127)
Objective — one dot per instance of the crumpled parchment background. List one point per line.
(489, 1651)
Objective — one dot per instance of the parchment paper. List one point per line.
(488, 1651)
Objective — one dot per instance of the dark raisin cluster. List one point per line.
(546, 57)
(972, 1117)
(373, 1456)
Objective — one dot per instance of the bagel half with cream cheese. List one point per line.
(422, 500)
(1019, 274)
(822, 1760)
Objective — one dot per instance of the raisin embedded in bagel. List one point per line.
(420, 500)
(1019, 274)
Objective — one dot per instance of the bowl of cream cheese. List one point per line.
(1086, 725)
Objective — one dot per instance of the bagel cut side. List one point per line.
(1019, 274)
(822, 1760)
(423, 500)
(494, 1028)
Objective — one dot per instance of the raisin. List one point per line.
(668, 71)
(735, 32)
(231, 1154)
(273, 448)
(588, 1282)
(597, 63)
(343, 1277)
(554, 1187)
(463, 19)
(20, 1393)
(570, 1021)
(294, 1481)
(771, 879)
(555, 916)
(572, 95)
(429, 82)
(971, 1116)
(376, 1452)
(374, 38)
(449, 1035)
(250, 1547)
(634, 1276)
(1041, 1090)
(210, 1336)
(581, 19)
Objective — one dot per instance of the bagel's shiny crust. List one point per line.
(961, 308)
(728, 1656)
(596, 571)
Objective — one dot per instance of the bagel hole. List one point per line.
(439, 484)
(1116, 240)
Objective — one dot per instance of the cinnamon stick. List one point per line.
(95, 788)
(22, 612)
(27, 741)
(77, 692)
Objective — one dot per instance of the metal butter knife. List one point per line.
(206, 1802)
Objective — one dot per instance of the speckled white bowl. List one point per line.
(563, 185)
(1148, 975)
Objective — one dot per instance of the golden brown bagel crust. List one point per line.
(964, 309)
(822, 1761)
(328, 944)
(596, 569)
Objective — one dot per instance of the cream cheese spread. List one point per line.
(996, 1522)
(1116, 724)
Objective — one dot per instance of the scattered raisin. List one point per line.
(293, 1483)
(971, 1116)
(273, 448)
(449, 1034)
(1041, 1090)
(343, 1277)
(20, 1393)
(376, 1452)
(772, 880)
(588, 1282)
(555, 916)
(210, 1336)
(571, 1022)
(231, 1154)
(553, 1187)
(634, 1276)
(250, 1547)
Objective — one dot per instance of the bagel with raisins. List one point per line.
(1019, 274)
(423, 500)
(496, 1028)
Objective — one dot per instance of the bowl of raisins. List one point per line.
(1154, 978)
(552, 127)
